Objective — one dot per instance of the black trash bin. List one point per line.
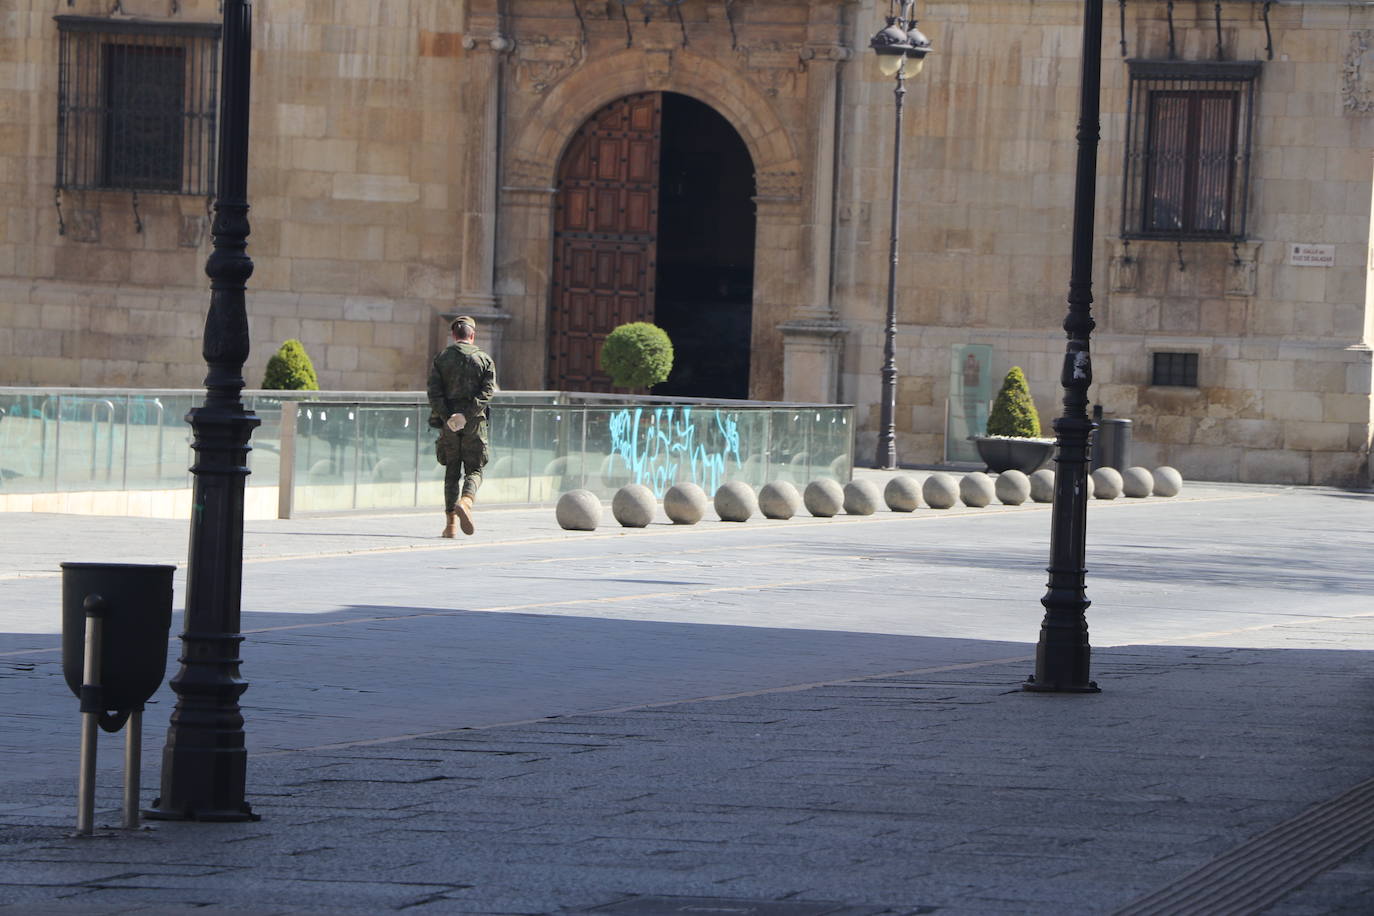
(115, 667)
(1112, 444)
(137, 623)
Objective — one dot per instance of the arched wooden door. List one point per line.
(605, 235)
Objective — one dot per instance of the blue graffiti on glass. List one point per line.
(665, 445)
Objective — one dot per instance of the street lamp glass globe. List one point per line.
(889, 64)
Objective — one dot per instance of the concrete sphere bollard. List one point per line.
(1091, 487)
(779, 499)
(1168, 482)
(976, 490)
(940, 491)
(735, 501)
(578, 510)
(862, 497)
(684, 503)
(1042, 486)
(1012, 487)
(388, 470)
(568, 467)
(1106, 483)
(615, 471)
(902, 494)
(1137, 482)
(633, 505)
(823, 497)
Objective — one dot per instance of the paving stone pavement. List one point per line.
(815, 716)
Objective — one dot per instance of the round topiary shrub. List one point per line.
(637, 355)
(290, 369)
(1013, 410)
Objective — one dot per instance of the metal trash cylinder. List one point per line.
(1112, 444)
(137, 625)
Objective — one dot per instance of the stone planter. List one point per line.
(1003, 453)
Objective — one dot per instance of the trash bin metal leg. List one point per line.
(90, 716)
(133, 763)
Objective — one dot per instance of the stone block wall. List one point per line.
(1284, 358)
(403, 157)
(356, 121)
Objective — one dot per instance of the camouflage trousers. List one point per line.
(463, 455)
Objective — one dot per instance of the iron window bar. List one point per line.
(1176, 370)
(1189, 128)
(137, 104)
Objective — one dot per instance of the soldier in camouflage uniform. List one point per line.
(461, 382)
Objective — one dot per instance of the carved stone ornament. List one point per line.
(1357, 89)
(658, 67)
(1241, 270)
(772, 65)
(827, 52)
(84, 226)
(1125, 270)
(777, 184)
(525, 173)
(541, 62)
(192, 231)
(498, 43)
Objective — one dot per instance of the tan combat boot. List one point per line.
(465, 514)
(450, 525)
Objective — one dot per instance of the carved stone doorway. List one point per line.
(654, 221)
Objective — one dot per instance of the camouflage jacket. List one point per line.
(462, 380)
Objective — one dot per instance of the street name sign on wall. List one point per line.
(1302, 255)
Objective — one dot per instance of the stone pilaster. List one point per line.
(477, 259)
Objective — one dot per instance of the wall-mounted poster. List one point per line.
(970, 394)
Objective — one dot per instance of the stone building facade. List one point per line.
(723, 167)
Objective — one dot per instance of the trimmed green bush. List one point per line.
(1013, 410)
(290, 369)
(637, 355)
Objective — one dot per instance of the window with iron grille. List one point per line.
(1176, 369)
(136, 105)
(1188, 131)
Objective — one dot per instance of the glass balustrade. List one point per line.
(375, 450)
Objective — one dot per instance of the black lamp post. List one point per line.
(894, 44)
(204, 763)
(1063, 655)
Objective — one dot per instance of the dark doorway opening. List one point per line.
(704, 287)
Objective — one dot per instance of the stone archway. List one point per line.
(654, 221)
(530, 165)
